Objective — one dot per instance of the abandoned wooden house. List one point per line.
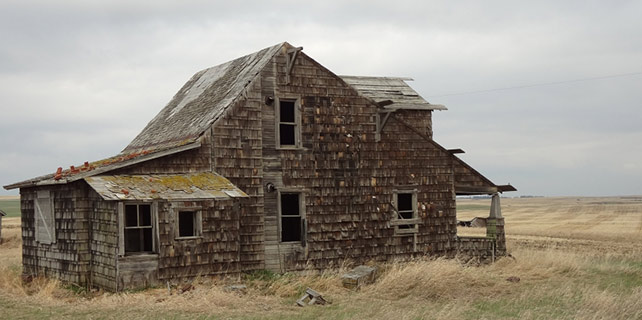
(269, 161)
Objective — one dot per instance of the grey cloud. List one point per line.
(79, 79)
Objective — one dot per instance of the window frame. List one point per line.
(397, 221)
(44, 197)
(296, 123)
(122, 226)
(197, 223)
(302, 216)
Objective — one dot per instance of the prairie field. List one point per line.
(571, 258)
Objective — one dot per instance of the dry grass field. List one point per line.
(577, 258)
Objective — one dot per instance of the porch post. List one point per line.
(495, 225)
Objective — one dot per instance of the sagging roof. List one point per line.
(204, 185)
(392, 93)
(202, 100)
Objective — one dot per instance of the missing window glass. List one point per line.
(290, 217)
(186, 223)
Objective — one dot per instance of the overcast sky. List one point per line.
(79, 79)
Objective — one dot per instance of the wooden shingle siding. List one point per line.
(68, 258)
(196, 160)
(341, 167)
(237, 155)
(216, 251)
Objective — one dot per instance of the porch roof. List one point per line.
(205, 185)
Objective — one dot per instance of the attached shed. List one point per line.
(269, 161)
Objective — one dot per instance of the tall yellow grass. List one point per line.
(562, 276)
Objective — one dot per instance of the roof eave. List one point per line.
(48, 179)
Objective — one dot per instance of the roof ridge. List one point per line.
(203, 99)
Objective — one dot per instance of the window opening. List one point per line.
(186, 223)
(138, 228)
(287, 123)
(290, 217)
(406, 209)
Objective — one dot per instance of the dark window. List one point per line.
(405, 208)
(287, 123)
(290, 217)
(286, 134)
(286, 111)
(138, 228)
(186, 223)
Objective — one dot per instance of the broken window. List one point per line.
(406, 208)
(290, 217)
(288, 128)
(138, 228)
(189, 223)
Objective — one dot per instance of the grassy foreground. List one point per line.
(576, 259)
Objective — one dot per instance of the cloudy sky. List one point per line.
(545, 96)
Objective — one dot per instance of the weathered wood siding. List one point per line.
(68, 258)
(195, 160)
(347, 178)
(215, 251)
(85, 237)
(103, 242)
(237, 155)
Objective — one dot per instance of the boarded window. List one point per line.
(406, 208)
(44, 216)
(287, 123)
(290, 217)
(186, 223)
(138, 228)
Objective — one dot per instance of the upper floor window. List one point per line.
(288, 123)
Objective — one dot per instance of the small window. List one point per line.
(290, 217)
(406, 209)
(138, 228)
(288, 126)
(186, 223)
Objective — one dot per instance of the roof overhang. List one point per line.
(390, 93)
(466, 190)
(195, 186)
(50, 180)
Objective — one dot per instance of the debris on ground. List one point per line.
(513, 279)
(359, 276)
(313, 296)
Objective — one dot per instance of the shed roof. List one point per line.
(89, 169)
(395, 91)
(204, 185)
(2, 213)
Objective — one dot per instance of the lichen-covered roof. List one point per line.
(202, 100)
(205, 185)
(396, 90)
